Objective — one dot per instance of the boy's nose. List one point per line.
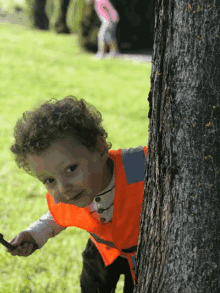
(65, 188)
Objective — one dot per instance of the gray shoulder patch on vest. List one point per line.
(134, 164)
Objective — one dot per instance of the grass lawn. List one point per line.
(36, 66)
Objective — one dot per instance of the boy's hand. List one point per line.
(26, 248)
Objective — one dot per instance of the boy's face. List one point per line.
(67, 169)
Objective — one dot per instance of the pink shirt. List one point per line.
(104, 8)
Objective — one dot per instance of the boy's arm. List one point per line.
(44, 228)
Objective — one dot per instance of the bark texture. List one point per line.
(179, 240)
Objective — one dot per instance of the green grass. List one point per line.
(36, 66)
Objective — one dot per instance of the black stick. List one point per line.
(12, 247)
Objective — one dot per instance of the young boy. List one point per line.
(109, 18)
(63, 144)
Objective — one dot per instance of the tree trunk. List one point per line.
(179, 245)
(40, 18)
(58, 16)
(36, 15)
(89, 28)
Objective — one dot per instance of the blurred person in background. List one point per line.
(109, 18)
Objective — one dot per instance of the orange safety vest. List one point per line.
(120, 236)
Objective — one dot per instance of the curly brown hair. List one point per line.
(37, 129)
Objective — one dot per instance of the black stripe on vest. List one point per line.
(111, 244)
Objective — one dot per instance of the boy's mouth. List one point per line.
(76, 196)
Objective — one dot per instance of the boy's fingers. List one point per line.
(15, 242)
(10, 251)
(29, 250)
(24, 249)
(21, 252)
(12, 240)
(23, 243)
(16, 251)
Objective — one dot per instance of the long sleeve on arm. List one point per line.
(44, 228)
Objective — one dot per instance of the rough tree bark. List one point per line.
(179, 240)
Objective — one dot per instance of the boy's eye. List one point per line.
(48, 181)
(71, 168)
